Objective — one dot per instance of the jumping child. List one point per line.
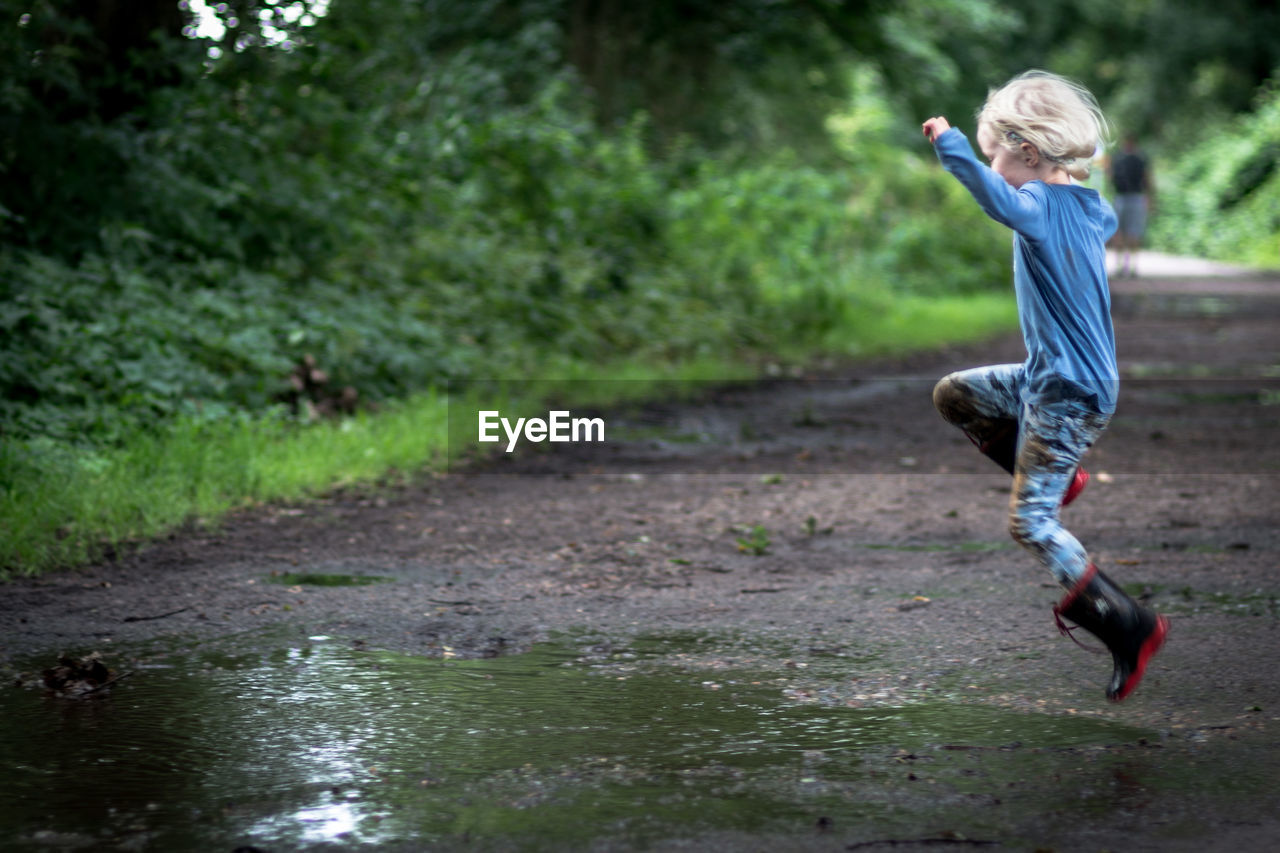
(1037, 419)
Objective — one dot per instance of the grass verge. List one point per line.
(62, 506)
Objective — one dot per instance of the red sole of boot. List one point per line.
(1149, 648)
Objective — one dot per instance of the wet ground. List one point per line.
(785, 616)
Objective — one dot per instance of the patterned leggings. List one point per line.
(1040, 445)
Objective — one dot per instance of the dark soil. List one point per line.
(883, 531)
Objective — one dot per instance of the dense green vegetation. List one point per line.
(344, 208)
(1221, 198)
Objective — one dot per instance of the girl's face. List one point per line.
(1016, 166)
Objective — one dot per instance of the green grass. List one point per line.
(914, 323)
(62, 506)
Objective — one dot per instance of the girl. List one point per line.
(1036, 419)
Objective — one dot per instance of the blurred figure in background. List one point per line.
(1130, 175)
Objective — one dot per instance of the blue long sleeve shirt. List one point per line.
(1059, 277)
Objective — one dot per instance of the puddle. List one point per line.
(312, 744)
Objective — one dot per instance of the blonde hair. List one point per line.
(1058, 116)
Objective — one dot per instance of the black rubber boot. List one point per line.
(1131, 632)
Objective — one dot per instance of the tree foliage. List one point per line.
(1166, 71)
(1221, 198)
(414, 192)
(408, 199)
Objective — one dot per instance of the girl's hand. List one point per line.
(935, 127)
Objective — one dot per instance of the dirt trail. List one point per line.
(878, 529)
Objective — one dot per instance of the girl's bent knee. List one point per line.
(947, 398)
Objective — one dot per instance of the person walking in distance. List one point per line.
(1037, 419)
(1130, 176)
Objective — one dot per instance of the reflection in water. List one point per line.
(321, 823)
(309, 741)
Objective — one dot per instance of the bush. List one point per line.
(404, 254)
(1221, 198)
(406, 218)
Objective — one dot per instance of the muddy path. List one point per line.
(831, 537)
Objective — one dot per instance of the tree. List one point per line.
(1160, 68)
(71, 71)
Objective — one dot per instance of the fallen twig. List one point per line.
(159, 616)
